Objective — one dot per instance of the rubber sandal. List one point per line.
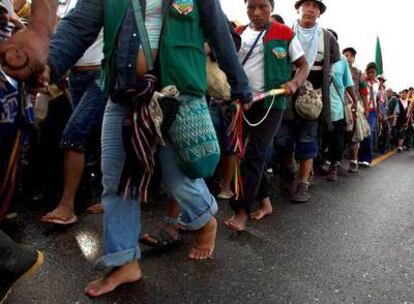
(225, 195)
(163, 240)
(59, 220)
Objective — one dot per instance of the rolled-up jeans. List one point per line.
(122, 217)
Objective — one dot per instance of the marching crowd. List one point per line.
(171, 93)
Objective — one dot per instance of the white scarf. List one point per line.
(309, 38)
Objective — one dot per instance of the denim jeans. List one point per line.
(122, 217)
(299, 137)
(367, 145)
(88, 107)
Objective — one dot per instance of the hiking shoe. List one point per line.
(17, 262)
(302, 193)
(332, 174)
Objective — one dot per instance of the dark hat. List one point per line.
(350, 50)
(322, 6)
(372, 65)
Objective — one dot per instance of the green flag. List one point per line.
(378, 58)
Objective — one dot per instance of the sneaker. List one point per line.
(302, 193)
(332, 174)
(399, 149)
(353, 167)
(364, 164)
(25, 262)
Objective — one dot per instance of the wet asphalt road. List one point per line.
(353, 243)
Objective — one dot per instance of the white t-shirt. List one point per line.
(93, 55)
(9, 6)
(254, 66)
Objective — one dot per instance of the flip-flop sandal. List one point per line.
(163, 240)
(60, 220)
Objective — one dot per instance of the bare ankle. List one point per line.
(242, 214)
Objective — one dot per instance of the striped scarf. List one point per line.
(150, 118)
(140, 141)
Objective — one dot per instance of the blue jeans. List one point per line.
(122, 217)
(298, 136)
(367, 145)
(88, 107)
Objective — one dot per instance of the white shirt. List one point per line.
(9, 6)
(93, 55)
(373, 91)
(404, 103)
(254, 66)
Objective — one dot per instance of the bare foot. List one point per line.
(95, 209)
(205, 241)
(127, 273)
(265, 209)
(238, 221)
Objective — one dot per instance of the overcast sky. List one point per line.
(358, 22)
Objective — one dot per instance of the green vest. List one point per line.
(181, 52)
(113, 14)
(278, 68)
